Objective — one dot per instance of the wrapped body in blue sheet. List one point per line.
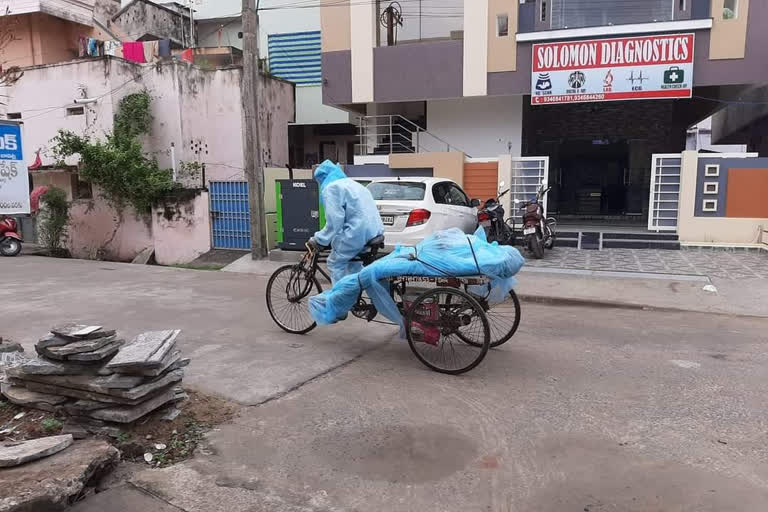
(445, 253)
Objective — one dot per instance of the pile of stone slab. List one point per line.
(91, 375)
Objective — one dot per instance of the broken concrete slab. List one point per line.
(93, 383)
(79, 347)
(131, 414)
(81, 407)
(75, 430)
(78, 393)
(44, 367)
(15, 454)
(98, 355)
(52, 341)
(22, 396)
(123, 499)
(149, 387)
(170, 359)
(53, 483)
(147, 350)
(10, 347)
(80, 331)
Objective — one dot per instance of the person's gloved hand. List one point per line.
(315, 245)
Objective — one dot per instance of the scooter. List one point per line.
(491, 217)
(539, 232)
(10, 240)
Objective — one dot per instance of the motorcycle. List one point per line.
(10, 240)
(491, 217)
(539, 232)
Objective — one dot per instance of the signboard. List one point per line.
(14, 177)
(633, 68)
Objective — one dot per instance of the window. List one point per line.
(76, 111)
(397, 191)
(440, 193)
(457, 196)
(730, 9)
(543, 13)
(711, 187)
(681, 5)
(709, 205)
(502, 25)
(712, 171)
(13, 115)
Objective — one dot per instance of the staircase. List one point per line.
(385, 135)
(598, 240)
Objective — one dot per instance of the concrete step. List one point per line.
(641, 244)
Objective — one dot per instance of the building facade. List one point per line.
(549, 79)
(290, 42)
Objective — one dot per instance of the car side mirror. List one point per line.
(475, 203)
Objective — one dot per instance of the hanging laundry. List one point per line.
(188, 55)
(93, 47)
(82, 46)
(164, 48)
(150, 50)
(111, 47)
(134, 51)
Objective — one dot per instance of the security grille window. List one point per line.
(76, 111)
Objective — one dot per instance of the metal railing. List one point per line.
(396, 134)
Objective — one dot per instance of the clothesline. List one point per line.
(134, 51)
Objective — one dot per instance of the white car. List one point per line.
(414, 208)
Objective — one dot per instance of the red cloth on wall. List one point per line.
(188, 55)
(134, 51)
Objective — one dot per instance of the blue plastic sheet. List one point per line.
(351, 219)
(445, 253)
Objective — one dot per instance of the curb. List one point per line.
(589, 303)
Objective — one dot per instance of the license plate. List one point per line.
(388, 220)
(486, 223)
(529, 231)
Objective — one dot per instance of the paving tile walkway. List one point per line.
(735, 264)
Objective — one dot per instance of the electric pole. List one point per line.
(251, 96)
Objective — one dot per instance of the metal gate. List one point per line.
(528, 174)
(664, 200)
(230, 215)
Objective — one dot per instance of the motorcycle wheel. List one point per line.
(535, 245)
(550, 238)
(10, 247)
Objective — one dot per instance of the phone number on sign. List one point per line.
(14, 205)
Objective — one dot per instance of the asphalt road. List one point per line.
(585, 410)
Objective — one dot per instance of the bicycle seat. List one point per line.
(377, 242)
(371, 249)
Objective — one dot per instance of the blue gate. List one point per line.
(230, 215)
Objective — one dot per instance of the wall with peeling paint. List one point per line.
(181, 231)
(198, 111)
(99, 232)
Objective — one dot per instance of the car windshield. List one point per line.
(397, 191)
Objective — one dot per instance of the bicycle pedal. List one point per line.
(372, 313)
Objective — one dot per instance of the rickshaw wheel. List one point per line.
(437, 325)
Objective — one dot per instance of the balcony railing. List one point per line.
(384, 135)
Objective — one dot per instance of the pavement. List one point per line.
(660, 279)
(587, 408)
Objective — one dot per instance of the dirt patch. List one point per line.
(168, 442)
(172, 441)
(20, 424)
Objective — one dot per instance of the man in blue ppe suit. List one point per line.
(351, 219)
